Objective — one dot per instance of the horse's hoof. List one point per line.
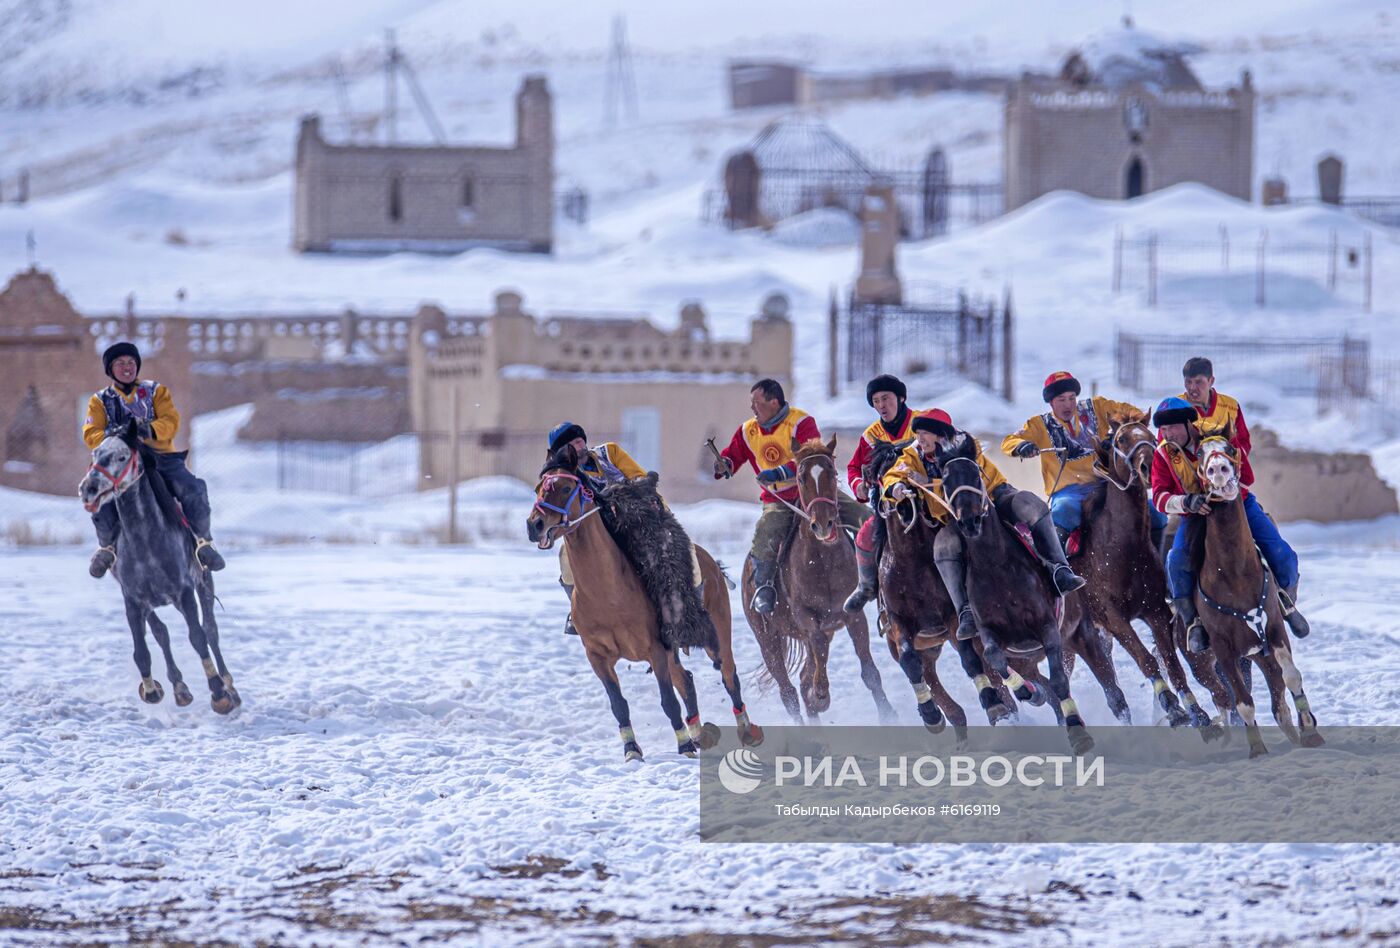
(1034, 695)
(708, 737)
(631, 751)
(751, 736)
(930, 715)
(153, 694)
(997, 713)
(183, 698)
(1313, 739)
(1123, 716)
(1198, 716)
(1213, 732)
(1177, 717)
(1257, 750)
(226, 702)
(960, 734)
(1080, 740)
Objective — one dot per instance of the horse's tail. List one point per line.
(794, 651)
(725, 573)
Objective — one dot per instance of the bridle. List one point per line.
(580, 493)
(1125, 456)
(805, 511)
(947, 499)
(1207, 452)
(120, 478)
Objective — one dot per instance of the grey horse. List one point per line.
(156, 566)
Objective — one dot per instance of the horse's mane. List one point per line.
(165, 501)
(882, 458)
(811, 448)
(565, 459)
(961, 446)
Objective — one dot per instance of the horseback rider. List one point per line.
(602, 464)
(1218, 413)
(1176, 490)
(886, 394)
(1065, 438)
(918, 466)
(765, 442)
(149, 404)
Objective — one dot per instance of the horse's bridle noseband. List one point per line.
(580, 493)
(1125, 457)
(121, 476)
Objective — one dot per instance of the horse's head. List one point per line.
(1217, 467)
(116, 466)
(882, 458)
(817, 483)
(560, 498)
(1127, 452)
(963, 488)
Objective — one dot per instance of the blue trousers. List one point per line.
(1277, 553)
(1067, 508)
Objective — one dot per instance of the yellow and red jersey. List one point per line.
(767, 448)
(147, 401)
(912, 464)
(878, 433)
(1077, 439)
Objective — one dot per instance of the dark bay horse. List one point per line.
(1010, 594)
(156, 566)
(921, 616)
(818, 567)
(1126, 579)
(1237, 600)
(616, 620)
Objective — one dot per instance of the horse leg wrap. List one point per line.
(1189, 698)
(1015, 682)
(1069, 709)
(682, 735)
(210, 669)
(923, 693)
(1300, 701)
(692, 727)
(627, 734)
(1159, 687)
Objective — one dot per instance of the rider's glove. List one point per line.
(773, 475)
(1196, 503)
(899, 492)
(143, 429)
(1025, 450)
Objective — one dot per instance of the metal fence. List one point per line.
(1325, 367)
(1245, 269)
(932, 331)
(1376, 406)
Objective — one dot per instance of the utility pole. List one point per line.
(391, 87)
(621, 92)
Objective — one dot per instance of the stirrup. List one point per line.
(201, 543)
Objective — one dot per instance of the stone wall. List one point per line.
(380, 198)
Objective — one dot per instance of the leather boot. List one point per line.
(104, 559)
(1050, 544)
(208, 556)
(868, 569)
(765, 594)
(569, 619)
(1288, 599)
(954, 575)
(1196, 639)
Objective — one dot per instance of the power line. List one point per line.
(621, 93)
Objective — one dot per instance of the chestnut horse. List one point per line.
(615, 619)
(1237, 600)
(1126, 579)
(818, 568)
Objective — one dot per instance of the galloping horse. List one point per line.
(1240, 609)
(818, 567)
(615, 619)
(156, 566)
(1126, 579)
(1010, 595)
(921, 614)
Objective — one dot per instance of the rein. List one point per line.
(805, 511)
(947, 501)
(1255, 618)
(566, 526)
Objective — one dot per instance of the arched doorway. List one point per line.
(1135, 184)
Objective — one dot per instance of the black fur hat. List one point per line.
(115, 352)
(885, 383)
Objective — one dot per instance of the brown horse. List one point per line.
(818, 567)
(1237, 600)
(920, 613)
(615, 619)
(1126, 579)
(1009, 592)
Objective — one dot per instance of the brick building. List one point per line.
(1126, 116)
(437, 199)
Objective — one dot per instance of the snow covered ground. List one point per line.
(422, 753)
